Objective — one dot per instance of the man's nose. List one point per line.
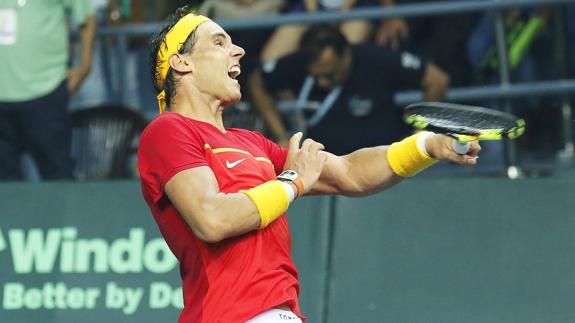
(324, 82)
(238, 51)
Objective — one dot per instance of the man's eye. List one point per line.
(219, 43)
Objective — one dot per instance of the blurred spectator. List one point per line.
(286, 38)
(528, 40)
(392, 31)
(36, 83)
(523, 29)
(343, 88)
(436, 38)
(241, 8)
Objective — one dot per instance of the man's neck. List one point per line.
(199, 107)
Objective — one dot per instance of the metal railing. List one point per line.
(405, 10)
(504, 91)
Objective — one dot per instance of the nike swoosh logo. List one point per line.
(234, 164)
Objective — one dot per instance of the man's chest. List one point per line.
(238, 166)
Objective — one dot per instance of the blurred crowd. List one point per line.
(324, 80)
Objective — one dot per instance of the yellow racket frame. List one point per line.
(420, 122)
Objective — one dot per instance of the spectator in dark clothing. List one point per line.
(436, 38)
(342, 88)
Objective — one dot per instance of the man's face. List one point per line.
(330, 69)
(216, 63)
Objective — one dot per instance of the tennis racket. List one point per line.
(465, 123)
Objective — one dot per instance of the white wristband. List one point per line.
(289, 190)
(422, 139)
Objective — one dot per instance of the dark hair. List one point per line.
(318, 38)
(156, 41)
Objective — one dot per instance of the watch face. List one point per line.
(289, 175)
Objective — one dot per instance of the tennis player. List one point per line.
(219, 196)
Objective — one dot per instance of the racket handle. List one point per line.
(460, 147)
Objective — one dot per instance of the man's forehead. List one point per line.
(327, 58)
(210, 29)
(328, 54)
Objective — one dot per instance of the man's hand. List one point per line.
(307, 161)
(392, 32)
(441, 147)
(76, 76)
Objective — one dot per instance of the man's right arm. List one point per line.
(212, 215)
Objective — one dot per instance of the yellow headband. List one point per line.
(175, 38)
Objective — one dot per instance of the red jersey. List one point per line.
(237, 278)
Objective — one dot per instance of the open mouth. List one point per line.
(234, 72)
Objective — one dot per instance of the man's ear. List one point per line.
(180, 63)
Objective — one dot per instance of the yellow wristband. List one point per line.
(406, 158)
(271, 200)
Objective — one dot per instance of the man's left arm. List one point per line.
(78, 73)
(82, 14)
(367, 171)
(363, 172)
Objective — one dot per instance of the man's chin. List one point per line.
(232, 101)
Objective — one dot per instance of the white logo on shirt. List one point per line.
(8, 26)
(410, 61)
(234, 164)
(269, 65)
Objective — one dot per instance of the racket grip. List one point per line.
(460, 147)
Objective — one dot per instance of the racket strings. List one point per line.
(470, 121)
(464, 121)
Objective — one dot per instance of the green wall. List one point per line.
(428, 250)
(475, 250)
